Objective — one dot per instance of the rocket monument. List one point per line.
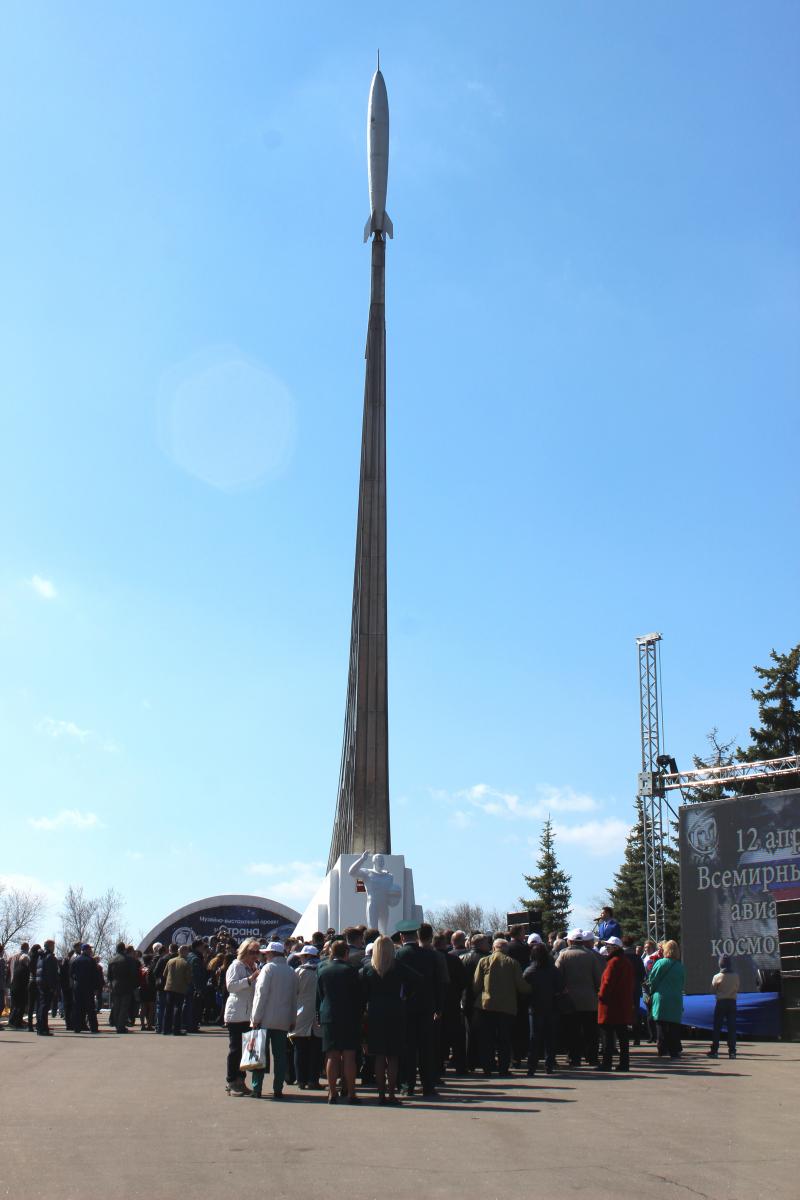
(362, 806)
(361, 828)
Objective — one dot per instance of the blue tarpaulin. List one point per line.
(758, 1014)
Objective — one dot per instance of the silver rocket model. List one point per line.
(378, 157)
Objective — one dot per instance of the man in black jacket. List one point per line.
(123, 978)
(518, 949)
(83, 982)
(46, 986)
(453, 1041)
(423, 1007)
(480, 947)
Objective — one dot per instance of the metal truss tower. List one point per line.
(650, 794)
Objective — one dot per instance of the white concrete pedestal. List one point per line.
(337, 904)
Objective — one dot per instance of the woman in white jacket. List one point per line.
(240, 980)
(307, 1036)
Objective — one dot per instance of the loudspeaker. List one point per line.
(788, 917)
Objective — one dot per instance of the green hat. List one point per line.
(407, 927)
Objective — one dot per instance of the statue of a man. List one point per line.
(382, 892)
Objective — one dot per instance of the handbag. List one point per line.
(254, 1050)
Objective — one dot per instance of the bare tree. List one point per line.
(75, 918)
(20, 910)
(467, 916)
(107, 916)
(92, 920)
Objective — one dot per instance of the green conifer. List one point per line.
(551, 887)
(627, 896)
(779, 713)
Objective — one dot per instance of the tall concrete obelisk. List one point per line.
(362, 807)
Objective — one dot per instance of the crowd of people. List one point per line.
(164, 990)
(400, 1012)
(396, 1013)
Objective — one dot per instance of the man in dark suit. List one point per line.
(83, 981)
(123, 978)
(46, 986)
(423, 1007)
(452, 1035)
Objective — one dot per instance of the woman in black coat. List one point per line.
(385, 982)
(546, 987)
(339, 1013)
(19, 992)
(33, 991)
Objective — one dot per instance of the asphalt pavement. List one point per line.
(143, 1116)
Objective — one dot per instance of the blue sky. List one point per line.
(593, 372)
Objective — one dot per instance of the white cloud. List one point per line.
(292, 880)
(30, 883)
(43, 587)
(564, 799)
(68, 818)
(597, 838)
(68, 729)
(59, 729)
(134, 855)
(547, 799)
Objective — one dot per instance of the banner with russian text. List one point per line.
(736, 856)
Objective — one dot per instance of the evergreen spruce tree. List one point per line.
(779, 713)
(628, 897)
(551, 887)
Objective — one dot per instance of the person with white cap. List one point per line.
(615, 1005)
(307, 1035)
(275, 1008)
(580, 970)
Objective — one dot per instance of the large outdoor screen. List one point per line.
(737, 856)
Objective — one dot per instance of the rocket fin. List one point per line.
(368, 228)
(388, 227)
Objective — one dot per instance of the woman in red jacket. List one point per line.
(615, 1006)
